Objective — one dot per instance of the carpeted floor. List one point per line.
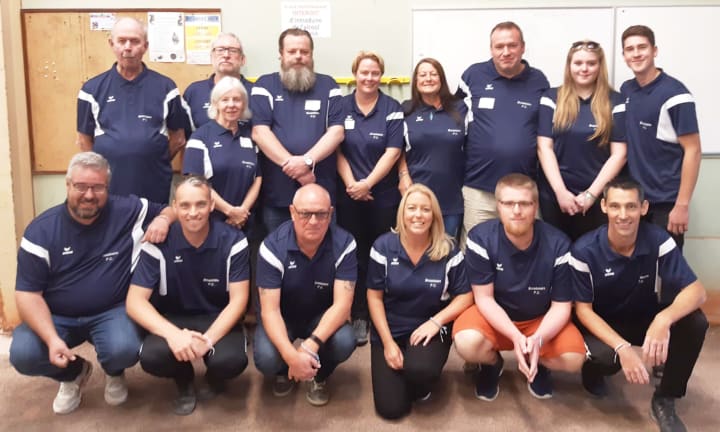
(25, 403)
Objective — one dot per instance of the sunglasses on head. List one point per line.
(588, 45)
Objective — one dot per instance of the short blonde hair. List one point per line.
(223, 86)
(362, 55)
(517, 180)
(440, 243)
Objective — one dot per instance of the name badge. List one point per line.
(349, 124)
(312, 105)
(486, 103)
(245, 142)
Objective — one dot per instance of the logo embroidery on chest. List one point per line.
(376, 135)
(321, 285)
(67, 250)
(110, 99)
(537, 290)
(433, 283)
(643, 278)
(279, 98)
(454, 132)
(206, 105)
(489, 87)
(645, 125)
(292, 265)
(144, 117)
(609, 272)
(110, 256)
(524, 105)
(217, 144)
(499, 267)
(419, 118)
(394, 261)
(211, 282)
(178, 259)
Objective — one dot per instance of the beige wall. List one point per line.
(381, 25)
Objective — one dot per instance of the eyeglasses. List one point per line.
(307, 215)
(98, 189)
(524, 205)
(229, 50)
(588, 45)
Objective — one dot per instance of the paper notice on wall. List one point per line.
(200, 31)
(166, 35)
(101, 21)
(311, 16)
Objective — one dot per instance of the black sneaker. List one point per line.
(662, 410)
(212, 389)
(541, 387)
(487, 380)
(593, 383)
(361, 329)
(186, 400)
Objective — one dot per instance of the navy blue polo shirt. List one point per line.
(434, 152)
(656, 115)
(193, 281)
(524, 282)
(306, 284)
(629, 288)
(412, 293)
(129, 121)
(502, 133)
(83, 270)
(579, 160)
(197, 96)
(298, 120)
(229, 161)
(367, 138)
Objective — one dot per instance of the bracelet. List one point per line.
(317, 340)
(443, 330)
(210, 344)
(312, 354)
(432, 320)
(540, 341)
(589, 194)
(617, 349)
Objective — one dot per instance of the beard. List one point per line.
(86, 212)
(297, 79)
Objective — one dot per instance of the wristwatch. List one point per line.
(309, 162)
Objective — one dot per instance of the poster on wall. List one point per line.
(311, 16)
(200, 31)
(166, 36)
(102, 21)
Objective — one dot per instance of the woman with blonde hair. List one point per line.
(581, 141)
(417, 286)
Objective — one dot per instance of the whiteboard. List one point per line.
(461, 37)
(686, 37)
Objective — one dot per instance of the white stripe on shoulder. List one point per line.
(578, 265)
(562, 259)
(36, 250)
(271, 259)
(452, 262)
(619, 108)
(477, 249)
(379, 258)
(207, 163)
(172, 94)
(155, 252)
(350, 247)
(547, 102)
(667, 246)
(397, 115)
(406, 135)
(234, 250)
(665, 129)
(94, 108)
(137, 233)
(261, 91)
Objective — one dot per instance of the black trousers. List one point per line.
(228, 360)
(395, 390)
(572, 226)
(686, 340)
(366, 223)
(658, 214)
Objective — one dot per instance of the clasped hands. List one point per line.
(187, 345)
(302, 366)
(296, 168)
(527, 352)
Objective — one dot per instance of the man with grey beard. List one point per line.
(297, 125)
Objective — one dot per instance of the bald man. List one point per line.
(306, 273)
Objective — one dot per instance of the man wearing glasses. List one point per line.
(227, 58)
(73, 273)
(518, 269)
(134, 117)
(306, 274)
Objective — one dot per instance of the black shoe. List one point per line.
(593, 383)
(541, 387)
(186, 400)
(662, 410)
(361, 329)
(211, 390)
(487, 380)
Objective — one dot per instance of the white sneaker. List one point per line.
(116, 391)
(70, 393)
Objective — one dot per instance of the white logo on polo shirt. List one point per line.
(394, 261)
(645, 125)
(178, 259)
(536, 290)
(110, 256)
(67, 250)
(454, 132)
(292, 265)
(419, 118)
(211, 282)
(499, 267)
(376, 135)
(592, 126)
(489, 87)
(321, 285)
(643, 278)
(279, 98)
(206, 105)
(524, 105)
(217, 144)
(144, 117)
(609, 272)
(110, 99)
(433, 282)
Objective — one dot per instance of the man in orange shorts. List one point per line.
(518, 268)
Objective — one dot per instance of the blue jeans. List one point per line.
(116, 339)
(452, 224)
(336, 350)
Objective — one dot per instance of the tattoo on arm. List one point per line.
(349, 285)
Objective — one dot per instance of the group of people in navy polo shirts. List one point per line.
(435, 238)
